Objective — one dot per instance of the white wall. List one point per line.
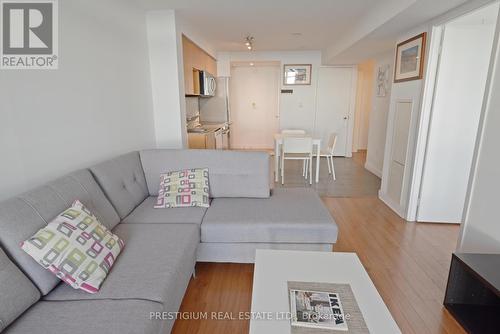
(455, 116)
(165, 30)
(481, 231)
(167, 79)
(192, 31)
(95, 106)
(296, 110)
(378, 118)
(405, 206)
(392, 177)
(364, 97)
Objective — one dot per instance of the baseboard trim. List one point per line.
(392, 204)
(371, 168)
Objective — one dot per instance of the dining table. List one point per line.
(278, 143)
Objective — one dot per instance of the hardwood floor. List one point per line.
(408, 263)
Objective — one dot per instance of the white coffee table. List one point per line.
(273, 268)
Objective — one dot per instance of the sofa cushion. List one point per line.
(183, 188)
(16, 291)
(231, 173)
(122, 180)
(156, 264)
(145, 213)
(75, 247)
(22, 216)
(291, 215)
(89, 316)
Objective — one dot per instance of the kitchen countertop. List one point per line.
(209, 127)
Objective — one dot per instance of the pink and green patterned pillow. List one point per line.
(184, 188)
(76, 247)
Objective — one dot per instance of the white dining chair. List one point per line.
(293, 132)
(328, 154)
(297, 148)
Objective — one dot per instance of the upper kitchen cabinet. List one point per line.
(211, 65)
(195, 59)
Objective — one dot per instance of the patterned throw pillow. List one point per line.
(76, 247)
(183, 188)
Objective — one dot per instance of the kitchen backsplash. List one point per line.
(192, 107)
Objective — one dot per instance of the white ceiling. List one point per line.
(383, 38)
(271, 22)
(333, 26)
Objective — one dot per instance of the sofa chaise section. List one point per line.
(292, 218)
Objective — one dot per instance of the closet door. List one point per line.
(334, 107)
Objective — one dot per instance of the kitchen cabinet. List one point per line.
(195, 59)
(211, 66)
(201, 140)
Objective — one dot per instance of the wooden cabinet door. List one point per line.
(197, 141)
(199, 59)
(195, 58)
(211, 65)
(188, 55)
(210, 141)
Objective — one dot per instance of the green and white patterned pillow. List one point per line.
(76, 247)
(184, 188)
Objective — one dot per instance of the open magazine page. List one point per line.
(316, 309)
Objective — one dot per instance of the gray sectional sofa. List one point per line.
(162, 246)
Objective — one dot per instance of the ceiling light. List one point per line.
(251, 64)
(249, 42)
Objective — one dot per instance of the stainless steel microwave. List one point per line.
(208, 84)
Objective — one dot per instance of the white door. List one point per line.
(334, 105)
(456, 111)
(254, 103)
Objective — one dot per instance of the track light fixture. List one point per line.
(249, 42)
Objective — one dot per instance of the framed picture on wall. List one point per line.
(297, 74)
(410, 59)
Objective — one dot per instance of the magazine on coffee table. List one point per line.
(317, 309)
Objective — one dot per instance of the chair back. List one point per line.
(293, 132)
(298, 145)
(332, 141)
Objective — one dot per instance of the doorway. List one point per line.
(364, 102)
(254, 103)
(335, 101)
(462, 70)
